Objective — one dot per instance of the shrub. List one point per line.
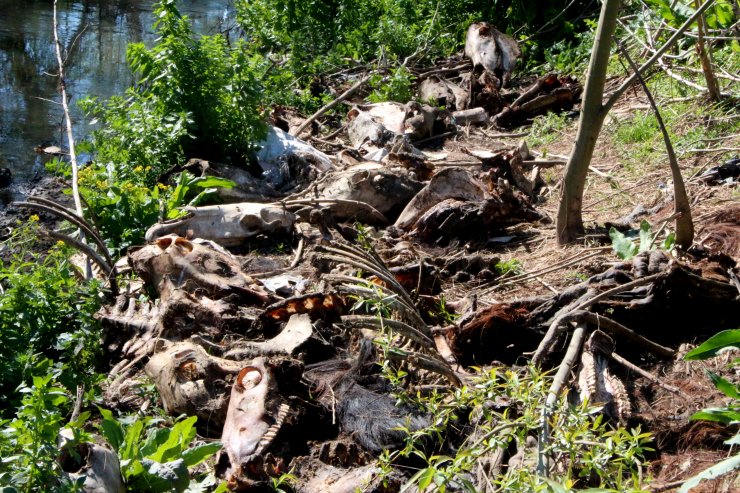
(45, 312)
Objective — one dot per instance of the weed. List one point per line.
(160, 460)
(28, 443)
(395, 87)
(546, 129)
(443, 313)
(625, 248)
(583, 445)
(509, 267)
(44, 313)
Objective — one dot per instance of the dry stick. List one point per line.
(684, 224)
(615, 328)
(298, 253)
(329, 106)
(533, 275)
(89, 254)
(633, 367)
(70, 137)
(58, 210)
(574, 349)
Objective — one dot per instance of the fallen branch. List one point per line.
(330, 105)
(574, 349)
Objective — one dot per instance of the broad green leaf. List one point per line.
(181, 434)
(195, 455)
(669, 242)
(154, 441)
(722, 415)
(715, 471)
(162, 478)
(111, 429)
(646, 237)
(555, 487)
(725, 386)
(131, 442)
(734, 440)
(712, 346)
(623, 246)
(213, 181)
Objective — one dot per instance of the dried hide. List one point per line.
(255, 415)
(597, 384)
(195, 267)
(549, 93)
(285, 158)
(496, 52)
(371, 126)
(192, 382)
(450, 183)
(474, 219)
(387, 191)
(227, 225)
(496, 333)
(444, 93)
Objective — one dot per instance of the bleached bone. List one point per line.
(254, 417)
(372, 183)
(227, 225)
(450, 183)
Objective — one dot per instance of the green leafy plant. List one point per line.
(159, 461)
(192, 95)
(395, 87)
(626, 248)
(44, 313)
(509, 267)
(28, 443)
(728, 415)
(587, 449)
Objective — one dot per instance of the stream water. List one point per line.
(95, 33)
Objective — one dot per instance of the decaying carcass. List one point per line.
(256, 413)
(195, 266)
(191, 381)
(227, 225)
(493, 50)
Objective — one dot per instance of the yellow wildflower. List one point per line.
(34, 218)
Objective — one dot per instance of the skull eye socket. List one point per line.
(188, 371)
(248, 378)
(164, 242)
(184, 244)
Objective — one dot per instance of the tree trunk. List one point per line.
(706, 61)
(570, 221)
(593, 112)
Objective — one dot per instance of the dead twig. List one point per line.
(633, 367)
(330, 105)
(68, 122)
(574, 349)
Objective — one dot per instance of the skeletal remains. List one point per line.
(260, 364)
